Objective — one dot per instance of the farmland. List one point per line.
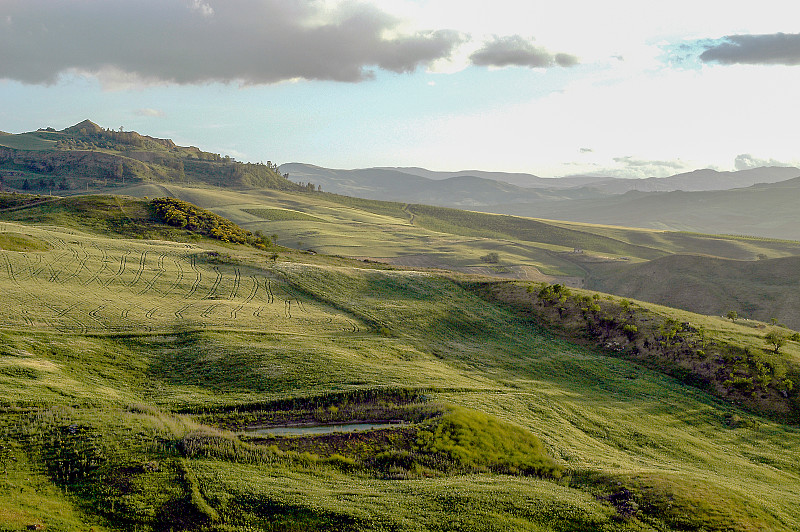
(129, 364)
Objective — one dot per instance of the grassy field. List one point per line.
(110, 348)
(631, 262)
(27, 141)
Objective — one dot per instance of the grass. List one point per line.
(27, 141)
(281, 215)
(20, 242)
(118, 357)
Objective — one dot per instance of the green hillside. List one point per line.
(761, 290)
(635, 263)
(87, 157)
(131, 363)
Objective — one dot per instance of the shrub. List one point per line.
(474, 440)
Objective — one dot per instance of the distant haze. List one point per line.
(756, 201)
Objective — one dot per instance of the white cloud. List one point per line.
(146, 111)
(202, 7)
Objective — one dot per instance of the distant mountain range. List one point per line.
(757, 202)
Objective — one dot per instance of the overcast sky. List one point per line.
(626, 88)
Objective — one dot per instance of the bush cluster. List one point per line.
(178, 213)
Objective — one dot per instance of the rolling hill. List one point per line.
(767, 210)
(86, 156)
(136, 366)
(463, 191)
(421, 236)
(705, 201)
(762, 290)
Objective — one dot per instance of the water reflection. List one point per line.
(306, 430)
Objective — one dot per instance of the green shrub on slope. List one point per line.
(475, 440)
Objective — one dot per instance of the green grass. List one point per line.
(107, 345)
(20, 242)
(27, 141)
(281, 215)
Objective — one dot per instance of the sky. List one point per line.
(624, 88)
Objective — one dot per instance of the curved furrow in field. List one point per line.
(103, 266)
(270, 295)
(237, 278)
(36, 267)
(178, 279)
(209, 310)
(81, 260)
(253, 291)
(9, 268)
(160, 270)
(54, 273)
(179, 313)
(137, 275)
(123, 262)
(198, 277)
(215, 285)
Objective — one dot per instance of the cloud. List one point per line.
(155, 113)
(745, 161)
(773, 49)
(204, 9)
(518, 51)
(200, 41)
(631, 161)
(631, 167)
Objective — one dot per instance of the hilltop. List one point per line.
(86, 156)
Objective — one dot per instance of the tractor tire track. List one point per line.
(123, 262)
(81, 264)
(215, 285)
(103, 266)
(208, 311)
(198, 277)
(54, 274)
(138, 274)
(248, 299)
(9, 268)
(160, 270)
(237, 278)
(270, 295)
(178, 279)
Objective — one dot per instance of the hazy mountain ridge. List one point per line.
(749, 202)
(767, 210)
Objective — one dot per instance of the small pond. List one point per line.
(310, 430)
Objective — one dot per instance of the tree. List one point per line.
(491, 258)
(776, 340)
(732, 315)
(26, 185)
